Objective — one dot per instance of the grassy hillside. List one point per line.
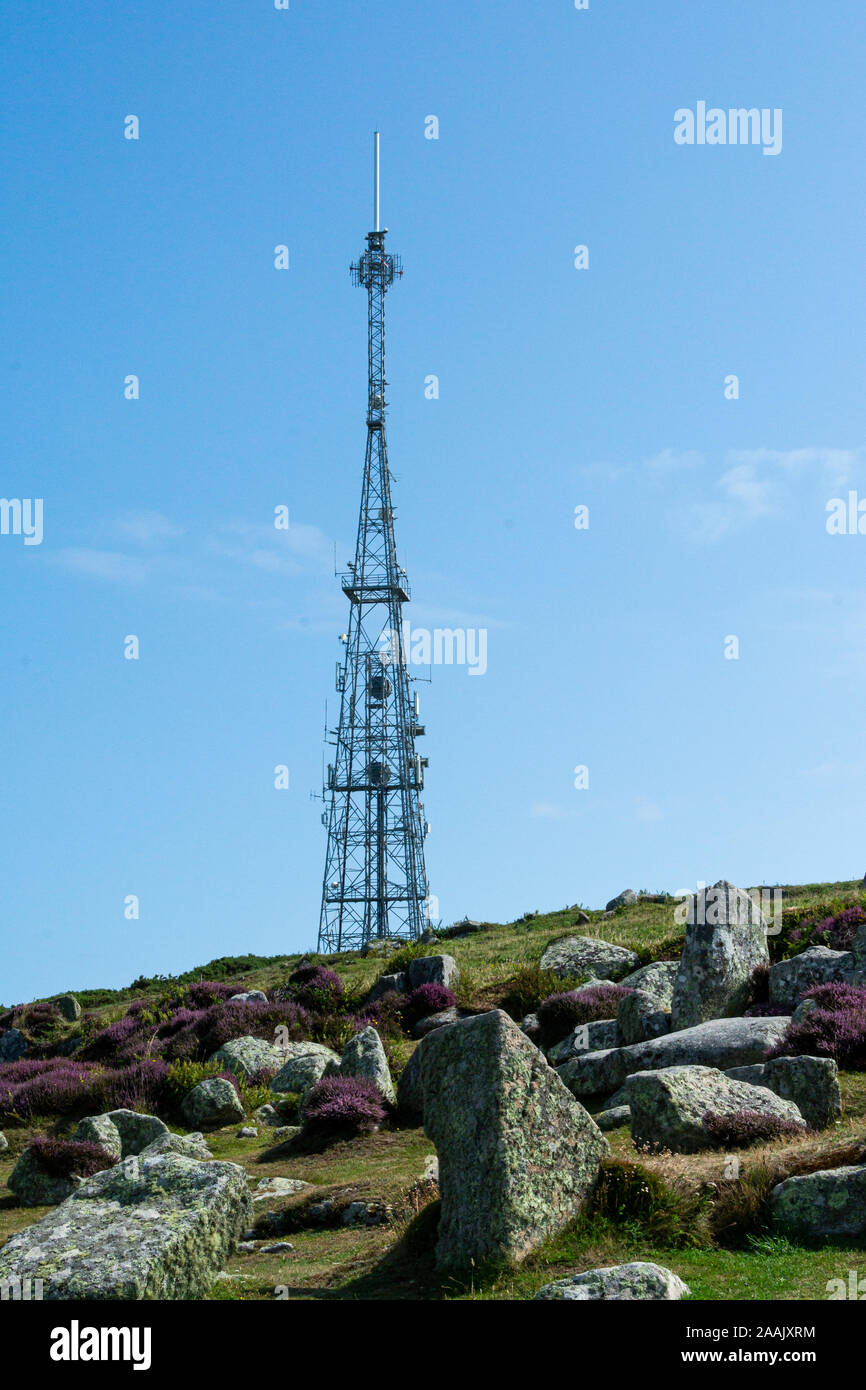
(674, 1221)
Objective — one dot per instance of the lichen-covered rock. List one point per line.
(34, 1187)
(279, 1187)
(586, 1037)
(790, 979)
(657, 978)
(434, 970)
(595, 1073)
(434, 1021)
(69, 1007)
(668, 1107)
(587, 955)
(153, 1227)
(188, 1145)
(812, 1083)
(803, 1009)
(249, 996)
(212, 1104)
(828, 1203)
(4, 1142)
(517, 1156)
(121, 1132)
(641, 1016)
(246, 1056)
(410, 1088)
(722, 1043)
(623, 899)
(726, 938)
(640, 1279)
(364, 1056)
(613, 1118)
(13, 1045)
(387, 984)
(299, 1074)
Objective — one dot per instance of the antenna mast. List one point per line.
(375, 881)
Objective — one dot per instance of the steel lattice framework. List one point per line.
(375, 881)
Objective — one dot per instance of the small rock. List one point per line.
(248, 1055)
(623, 899)
(388, 984)
(641, 1016)
(248, 1132)
(278, 1187)
(657, 978)
(69, 1007)
(613, 1119)
(364, 1056)
(639, 1280)
(434, 1021)
(13, 1045)
(790, 979)
(828, 1203)
(434, 970)
(582, 955)
(283, 1133)
(4, 1142)
(278, 1247)
(302, 1065)
(246, 1247)
(250, 996)
(595, 1036)
(267, 1115)
(668, 1107)
(212, 1104)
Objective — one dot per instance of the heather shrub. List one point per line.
(746, 1127)
(836, 927)
(530, 985)
(766, 1010)
(61, 1090)
(204, 993)
(140, 1086)
(41, 1019)
(339, 1107)
(426, 1000)
(835, 1028)
(226, 1021)
(319, 988)
(384, 1014)
(560, 1013)
(63, 1158)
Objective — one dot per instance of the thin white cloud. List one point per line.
(104, 564)
(546, 810)
(147, 528)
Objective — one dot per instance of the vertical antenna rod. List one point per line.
(376, 180)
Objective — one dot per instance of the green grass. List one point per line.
(396, 1261)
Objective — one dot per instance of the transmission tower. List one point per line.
(375, 882)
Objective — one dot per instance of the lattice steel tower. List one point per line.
(375, 882)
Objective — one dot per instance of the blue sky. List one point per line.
(559, 387)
